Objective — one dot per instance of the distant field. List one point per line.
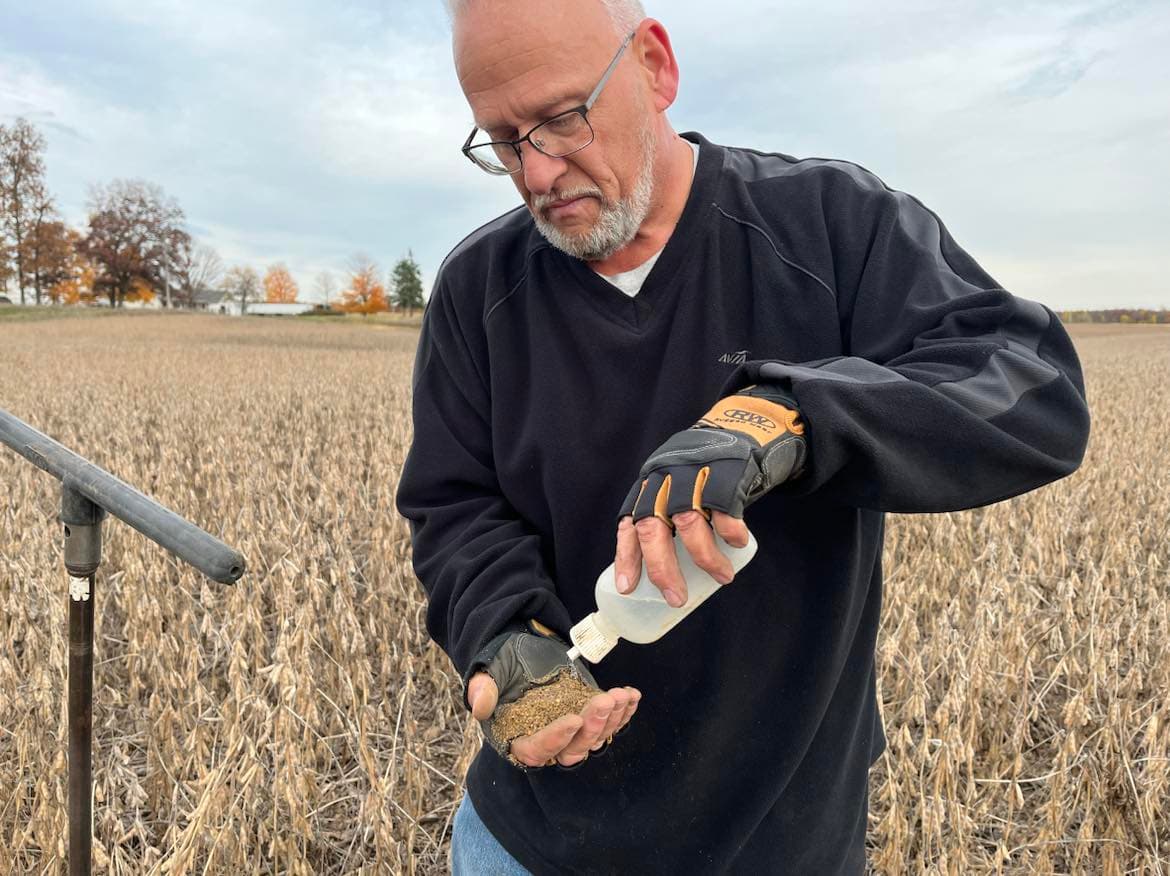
(9, 313)
(300, 722)
(1116, 330)
(390, 319)
(13, 313)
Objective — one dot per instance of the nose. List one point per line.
(540, 171)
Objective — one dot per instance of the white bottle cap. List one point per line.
(593, 638)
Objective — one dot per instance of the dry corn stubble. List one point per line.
(302, 722)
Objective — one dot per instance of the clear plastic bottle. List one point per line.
(644, 616)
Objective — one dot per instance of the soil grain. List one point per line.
(564, 695)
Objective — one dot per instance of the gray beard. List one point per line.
(618, 221)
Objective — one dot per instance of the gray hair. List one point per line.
(626, 15)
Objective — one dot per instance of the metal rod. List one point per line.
(184, 539)
(81, 600)
(87, 494)
(81, 521)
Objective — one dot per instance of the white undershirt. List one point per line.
(631, 281)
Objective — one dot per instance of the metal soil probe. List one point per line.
(88, 493)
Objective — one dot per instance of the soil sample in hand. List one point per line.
(564, 695)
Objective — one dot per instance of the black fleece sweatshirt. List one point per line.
(540, 389)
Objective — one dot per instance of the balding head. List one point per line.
(522, 62)
(625, 14)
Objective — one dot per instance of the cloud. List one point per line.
(1056, 76)
(1029, 127)
(303, 132)
(389, 112)
(27, 92)
(75, 125)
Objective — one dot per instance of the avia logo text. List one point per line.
(736, 358)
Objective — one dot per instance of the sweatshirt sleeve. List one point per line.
(954, 394)
(478, 560)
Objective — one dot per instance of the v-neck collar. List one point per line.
(638, 312)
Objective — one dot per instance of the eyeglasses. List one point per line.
(561, 135)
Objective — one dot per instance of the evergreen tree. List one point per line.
(406, 284)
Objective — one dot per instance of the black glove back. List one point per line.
(746, 445)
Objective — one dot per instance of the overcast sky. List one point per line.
(304, 132)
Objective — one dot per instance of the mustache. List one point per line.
(542, 202)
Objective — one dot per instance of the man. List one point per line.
(681, 338)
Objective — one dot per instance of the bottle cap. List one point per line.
(592, 638)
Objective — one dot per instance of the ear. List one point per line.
(656, 56)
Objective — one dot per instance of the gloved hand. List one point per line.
(519, 660)
(744, 446)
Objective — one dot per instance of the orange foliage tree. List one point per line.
(74, 283)
(365, 293)
(140, 290)
(279, 286)
(76, 290)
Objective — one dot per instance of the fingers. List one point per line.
(657, 544)
(731, 529)
(569, 739)
(625, 702)
(539, 748)
(628, 561)
(595, 717)
(621, 698)
(650, 539)
(482, 695)
(699, 541)
(631, 707)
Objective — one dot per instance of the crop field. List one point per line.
(301, 721)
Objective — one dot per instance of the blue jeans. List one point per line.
(474, 851)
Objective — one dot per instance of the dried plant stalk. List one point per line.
(302, 722)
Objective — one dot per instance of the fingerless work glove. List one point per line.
(744, 446)
(519, 660)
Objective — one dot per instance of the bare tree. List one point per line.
(243, 284)
(22, 191)
(198, 267)
(325, 287)
(175, 241)
(135, 231)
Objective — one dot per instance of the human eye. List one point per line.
(562, 123)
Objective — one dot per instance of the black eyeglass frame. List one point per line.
(582, 111)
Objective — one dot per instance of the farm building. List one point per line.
(209, 299)
(263, 308)
(221, 301)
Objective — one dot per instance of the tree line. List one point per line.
(1124, 314)
(136, 246)
(363, 292)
